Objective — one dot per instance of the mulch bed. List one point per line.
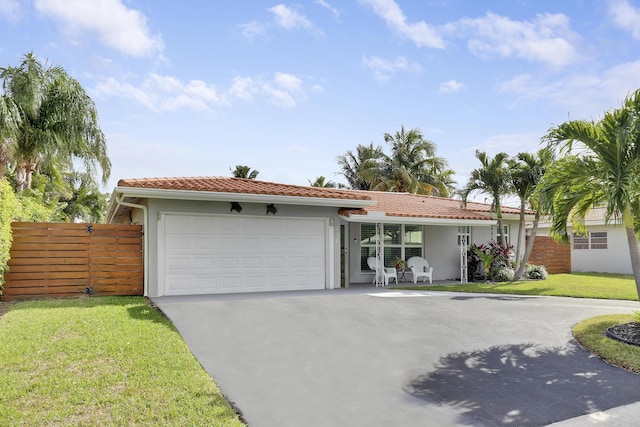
(627, 333)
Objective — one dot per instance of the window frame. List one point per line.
(403, 245)
(590, 242)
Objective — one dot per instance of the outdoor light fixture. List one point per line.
(235, 206)
(271, 209)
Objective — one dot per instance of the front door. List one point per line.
(344, 256)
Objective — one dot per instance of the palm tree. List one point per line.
(601, 167)
(412, 166)
(353, 164)
(492, 179)
(242, 171)
(82, 200)
(322, 182)
(526, 171)
(47, 117)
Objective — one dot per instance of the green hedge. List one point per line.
(16, 208)
(9, 211)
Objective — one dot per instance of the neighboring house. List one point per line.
(209, 235)
(603, 249)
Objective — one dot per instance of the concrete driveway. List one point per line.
(364, 357)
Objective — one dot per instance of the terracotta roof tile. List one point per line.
(392, 204)
(416, 206)
(240, 185)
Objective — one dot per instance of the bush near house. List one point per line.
(15, 207)
(9, 209)
(489, 262)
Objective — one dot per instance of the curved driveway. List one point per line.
(364, 357)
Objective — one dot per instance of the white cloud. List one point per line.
(582, 95)
(283, 17)
(10, 9)
(253, 29)
(383, 69)
(625, 16)
(165, 93)
(421, 33)
(547, 38)
(289, 82)
(333, 10)
(451, 86)
(116, 25)
(289, 18)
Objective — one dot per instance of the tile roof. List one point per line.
(240, 185)
(416, 206)
(392, 204)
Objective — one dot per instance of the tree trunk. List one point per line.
(529, 248)
(520, 234)
(24, 173)
(501, 239)
(634, 253)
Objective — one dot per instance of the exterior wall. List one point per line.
(158, 206)
(614, 259)
(440, 249)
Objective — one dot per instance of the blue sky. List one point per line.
(187, 88)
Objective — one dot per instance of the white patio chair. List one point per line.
(420, 268)
(386, 272)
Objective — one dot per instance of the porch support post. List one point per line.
(463, 259)
(379, 254)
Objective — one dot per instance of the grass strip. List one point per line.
(102, 361)
(578, 285)
(590, 334)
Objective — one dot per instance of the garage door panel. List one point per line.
(222, 254)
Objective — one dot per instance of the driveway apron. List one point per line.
(361, 357)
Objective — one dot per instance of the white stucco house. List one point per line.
(211, 235)
(603, 249)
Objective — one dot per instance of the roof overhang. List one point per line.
(377, 217)
(212, 196)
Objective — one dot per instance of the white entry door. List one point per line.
(212, 254)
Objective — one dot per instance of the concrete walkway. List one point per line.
(377, 357)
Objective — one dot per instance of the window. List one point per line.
(599, 240)
(464, 231)
(580, 242)
(400, 241)
(594, 240)
(495, 233)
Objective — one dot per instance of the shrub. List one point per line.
(16, 208)
(494, 254)
(504, 274)
(9, 211)
(535, 272)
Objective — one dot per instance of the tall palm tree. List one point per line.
(242, 171)
(526, 171)
(47, 117)
(353, 164)
(492, 179)
(412, 167)
(601, 167)
(322, 182)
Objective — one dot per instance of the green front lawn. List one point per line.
(579, 285)
(102, 361)
(591, 334)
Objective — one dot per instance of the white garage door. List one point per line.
(207, 254)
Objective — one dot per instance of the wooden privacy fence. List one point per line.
(68, 259)
(556, 257)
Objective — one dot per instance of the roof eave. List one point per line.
(377, 217)
(212, 196)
